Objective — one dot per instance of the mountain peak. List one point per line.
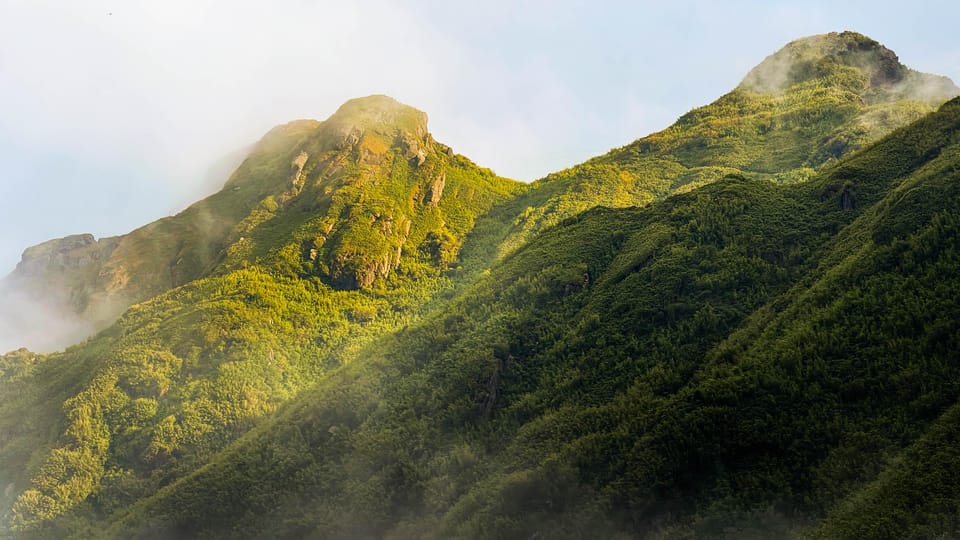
(380, 113)
(850, 60)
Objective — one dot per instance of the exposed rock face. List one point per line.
(346, 136)
(357, 264)
(365, 239)
(436, 189)
(300, 161)
(298, 177)
(847, 201)
(369, 126)
(72, 259)
(413, 149)
(41, 301)
(67, 252)
(66, 243)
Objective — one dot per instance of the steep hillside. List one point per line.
(352, 238)
(346, 200)
(812, 102)
(366, 335)
(738, 361)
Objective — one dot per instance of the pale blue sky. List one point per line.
(112, 113)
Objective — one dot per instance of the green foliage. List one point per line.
(181, 375)
(782, 136)
(915, 496)
(366, 200)
(736, 326)
(721, 361)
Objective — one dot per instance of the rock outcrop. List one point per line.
(70, 252)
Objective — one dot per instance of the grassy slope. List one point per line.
(717, 364)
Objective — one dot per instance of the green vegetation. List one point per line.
(742, 326)
(179, 376)
(721, 361)
(833, 103)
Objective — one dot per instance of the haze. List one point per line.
(113, 114)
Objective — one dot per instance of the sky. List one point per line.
(117, 113)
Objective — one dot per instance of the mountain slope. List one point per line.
(89, 283)
(343, 200)
(813, 101)
(720, 363)
(386, 341)
(350, 240)
(810, 103)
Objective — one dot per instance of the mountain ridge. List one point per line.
(690, 335)
(784, 137)
(866, 89)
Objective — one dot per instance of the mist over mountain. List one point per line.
(743, 325)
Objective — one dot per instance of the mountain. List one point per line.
(328, 235)
(343, 200)
(862, 65)
(717, 364)
(814, 101)
(741, 326)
